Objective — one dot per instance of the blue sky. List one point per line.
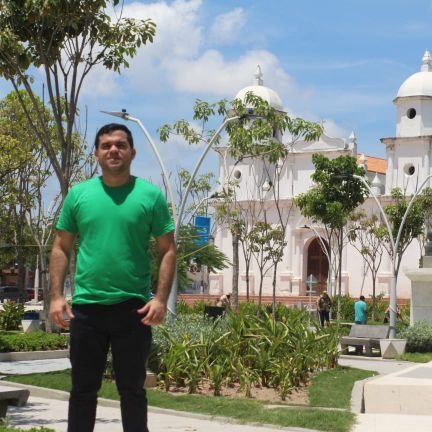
(338, 61)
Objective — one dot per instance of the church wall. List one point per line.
(292, 270)
(421, 124)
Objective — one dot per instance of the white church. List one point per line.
(408, 163)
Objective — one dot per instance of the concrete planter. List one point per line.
(30, 325)
(392, 348)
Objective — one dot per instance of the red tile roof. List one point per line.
(374, 164)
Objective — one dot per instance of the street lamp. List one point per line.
(177, 217)
(394, 245)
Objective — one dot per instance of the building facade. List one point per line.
(407, 165)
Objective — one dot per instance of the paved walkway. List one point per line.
(42, 411)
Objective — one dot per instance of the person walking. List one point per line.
(324, 305)
(111, 218)
(360, 309)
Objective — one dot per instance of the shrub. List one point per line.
(36, 341)
(243, 348)
(10, 317)
(419, 337)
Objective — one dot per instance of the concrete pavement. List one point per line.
(51, 412)
(383, 422)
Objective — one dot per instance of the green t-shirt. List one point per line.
(114, 226)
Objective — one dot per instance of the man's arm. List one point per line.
(154, 311)
(61, 250)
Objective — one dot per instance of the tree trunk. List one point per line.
(45, 289)
(340, 275)
(274, 291)
(235, 275)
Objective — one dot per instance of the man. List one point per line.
(360, 308)
(111, 218)
(323, 305)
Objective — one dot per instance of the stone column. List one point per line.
(421, 287)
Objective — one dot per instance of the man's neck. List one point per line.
(117, 179)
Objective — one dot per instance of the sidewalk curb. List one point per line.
(33, 355)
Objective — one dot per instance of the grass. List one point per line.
(417, 357)
(330, 389)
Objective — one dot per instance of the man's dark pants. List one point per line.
(93, 330)
(323, 317)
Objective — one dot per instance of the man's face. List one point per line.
(114, 152)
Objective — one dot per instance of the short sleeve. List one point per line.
(162, 221)
(67, 220)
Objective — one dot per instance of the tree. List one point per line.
(367, 235)
(412, 228)
(426, 202)
(250, 135)
(24, 184)
(65, 40)
(188, 249)
(267, 243)
(335, 195)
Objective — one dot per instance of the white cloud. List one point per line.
(227, 27)
(176, 63)
(213, 74)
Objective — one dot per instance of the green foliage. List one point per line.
(35, 341)
(252, 135)
(346, 307)
(411, 229)
(5, 428)
(336, 193)
(418, 336)
(187, 250)
(11, 315)
(64, 40)
(416, 357)
(243, 348)
(332, 388)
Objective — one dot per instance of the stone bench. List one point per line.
(365, 336)
(12, 396)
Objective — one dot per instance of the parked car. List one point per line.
(30, 294)
(10, 293)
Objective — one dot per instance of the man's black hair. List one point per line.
(110, 128)
(362, 297)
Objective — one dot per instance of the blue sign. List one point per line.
(202, 225)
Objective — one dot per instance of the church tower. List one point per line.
(409, 153)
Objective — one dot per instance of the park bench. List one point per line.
(365, 336)
(11, 396)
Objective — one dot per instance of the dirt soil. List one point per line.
(298, 396)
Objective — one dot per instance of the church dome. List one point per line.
(419, 84)
(259, 89)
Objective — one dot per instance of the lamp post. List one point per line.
(177, 217)
(394, 246)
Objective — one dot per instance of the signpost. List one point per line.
(202, 225)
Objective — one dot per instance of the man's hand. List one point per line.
(153, 312)
(59, 307)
